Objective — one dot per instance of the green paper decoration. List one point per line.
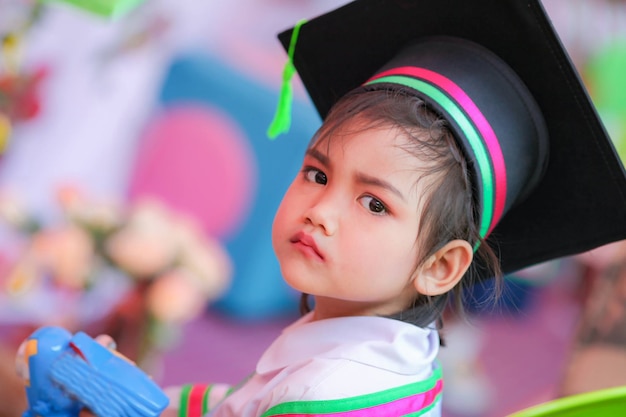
(605, 75)
(111, 9)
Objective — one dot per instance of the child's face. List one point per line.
(346, 230)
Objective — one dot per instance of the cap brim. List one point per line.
(581, 201)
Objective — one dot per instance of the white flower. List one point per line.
(174, 297)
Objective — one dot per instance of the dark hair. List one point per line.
(450, 209)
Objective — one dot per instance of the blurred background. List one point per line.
(138, 187)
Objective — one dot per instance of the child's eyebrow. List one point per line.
(378, 182)
(360, 177)
(322, 158)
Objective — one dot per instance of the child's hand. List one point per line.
(107, 341)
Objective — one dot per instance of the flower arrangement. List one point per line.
(165, 270)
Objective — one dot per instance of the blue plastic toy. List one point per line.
(63, 374)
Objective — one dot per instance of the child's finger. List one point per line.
(86, 413)
(107, 341)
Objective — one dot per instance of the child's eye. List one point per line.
(372, 204)
(315, 175)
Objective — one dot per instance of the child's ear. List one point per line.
(444, 269)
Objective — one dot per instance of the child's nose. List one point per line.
(324, 214)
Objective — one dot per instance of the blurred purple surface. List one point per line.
(216, 348)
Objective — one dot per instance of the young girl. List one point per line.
(441, 160)
(362, 229)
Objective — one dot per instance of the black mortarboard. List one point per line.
(548, 178)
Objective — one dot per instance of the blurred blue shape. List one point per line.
(517, 295)
(258, 290)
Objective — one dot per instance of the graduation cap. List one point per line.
(547, 177)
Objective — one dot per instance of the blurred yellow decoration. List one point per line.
(5, 132)
(11, 53)
(21, 278)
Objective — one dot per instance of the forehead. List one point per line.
(393, 141)
(376, 149)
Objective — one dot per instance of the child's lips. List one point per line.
(307, 244)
